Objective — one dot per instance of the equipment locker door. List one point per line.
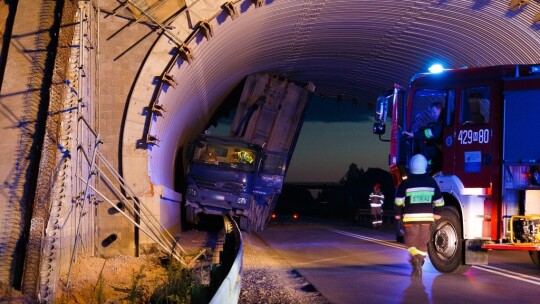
(473, 137)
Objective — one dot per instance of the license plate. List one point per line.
(218, 197)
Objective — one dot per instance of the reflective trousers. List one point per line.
(376, 216)
(417, 238)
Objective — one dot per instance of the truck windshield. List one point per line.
(224, 154)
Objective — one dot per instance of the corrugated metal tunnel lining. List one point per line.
(356, 49)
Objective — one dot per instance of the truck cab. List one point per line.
(486, 149)
(243, 173)
(228, 175)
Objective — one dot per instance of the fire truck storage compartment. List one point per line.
(521, 127)
(521, 153)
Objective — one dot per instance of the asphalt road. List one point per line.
(348, 263)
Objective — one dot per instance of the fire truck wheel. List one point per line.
(535, 257)
(445, 247)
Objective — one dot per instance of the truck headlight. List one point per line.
(241, 201)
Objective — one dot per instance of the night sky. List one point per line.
(334, 135)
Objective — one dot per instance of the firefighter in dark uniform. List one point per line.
(418, 199)
(376, 199)
(429, 138)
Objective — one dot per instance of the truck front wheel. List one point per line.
(445, 246)
(191, 216)
(245, 223)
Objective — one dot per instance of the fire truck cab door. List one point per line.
(473, 136)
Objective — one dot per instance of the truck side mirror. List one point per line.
(381, 110)
(379, 128)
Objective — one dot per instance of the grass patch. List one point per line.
(177, 285)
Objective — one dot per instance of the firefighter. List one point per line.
(418, 199)
(429, 137)
(376, 199)
(244, 157)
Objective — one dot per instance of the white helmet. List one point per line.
(418, 164)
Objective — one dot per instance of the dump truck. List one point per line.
(490, 164)
(242, 173)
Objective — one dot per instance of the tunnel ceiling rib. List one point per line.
(354, 48)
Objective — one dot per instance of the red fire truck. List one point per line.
(489, 170)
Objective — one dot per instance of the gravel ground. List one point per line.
(267, 278)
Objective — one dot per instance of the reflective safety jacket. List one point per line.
(376, 198)
(245, 157)
(432, 131)
(417, 198)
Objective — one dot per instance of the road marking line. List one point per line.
(369, 239)
(509, 274)
(486, 268)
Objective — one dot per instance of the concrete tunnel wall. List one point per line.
(357, 49)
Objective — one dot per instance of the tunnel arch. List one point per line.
(356, 49)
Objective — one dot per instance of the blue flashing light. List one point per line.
(535, 69)
(436, 69)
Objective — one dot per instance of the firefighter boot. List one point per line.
(416, 264)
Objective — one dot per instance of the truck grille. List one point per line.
(231, 187)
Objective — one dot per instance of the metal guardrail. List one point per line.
(231, 264)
